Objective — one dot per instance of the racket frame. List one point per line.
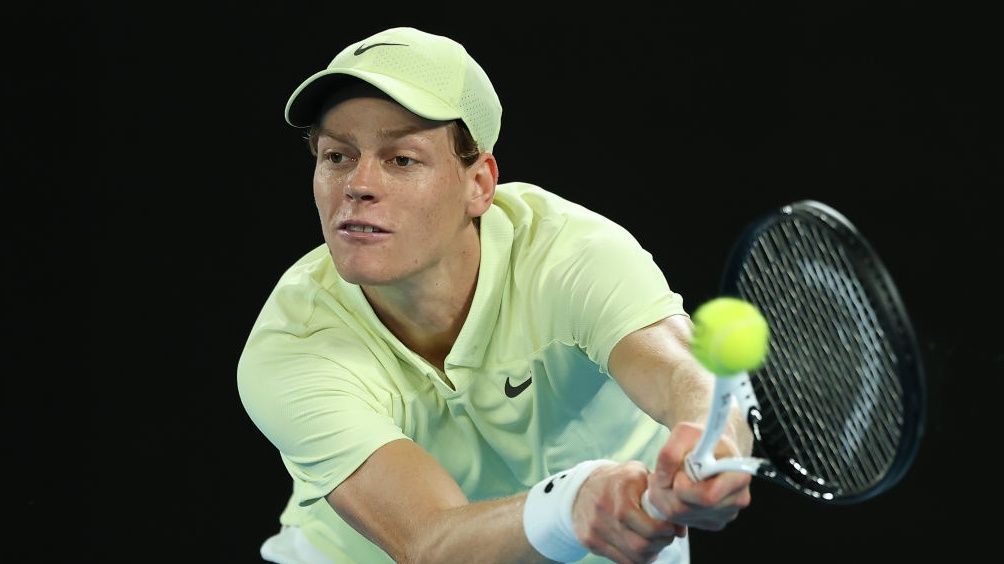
(737, 390)
(878, 284)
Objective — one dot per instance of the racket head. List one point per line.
(842, 395)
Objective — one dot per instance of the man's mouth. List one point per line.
(361, 228)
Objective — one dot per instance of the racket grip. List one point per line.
(699, 463)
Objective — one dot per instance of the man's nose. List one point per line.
(364, 183)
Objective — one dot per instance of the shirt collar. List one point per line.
(496, 247)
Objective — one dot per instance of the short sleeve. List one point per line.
(324, 420)
(609, 288)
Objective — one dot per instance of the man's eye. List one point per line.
(403, 161)
(334, 157)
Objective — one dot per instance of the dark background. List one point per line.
(155, 194)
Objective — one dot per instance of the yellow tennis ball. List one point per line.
(730, 336)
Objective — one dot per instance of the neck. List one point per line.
(427, 312)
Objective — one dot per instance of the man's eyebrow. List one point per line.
(383, 133)
(398, 133)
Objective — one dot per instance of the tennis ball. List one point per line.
(730, 336)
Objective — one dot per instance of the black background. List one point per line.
(155, 194)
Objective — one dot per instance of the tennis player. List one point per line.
(469, 371)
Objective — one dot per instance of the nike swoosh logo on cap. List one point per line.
(513, 391)
(363, 48)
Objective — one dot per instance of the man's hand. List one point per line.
(610, 521)
(709, 504)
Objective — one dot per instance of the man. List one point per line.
(467, 371)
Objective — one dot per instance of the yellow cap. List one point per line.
(431, 75)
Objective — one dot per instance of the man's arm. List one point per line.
(407, 504)
(656, 369)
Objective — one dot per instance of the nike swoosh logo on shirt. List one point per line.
(513, 391)
(363, 48)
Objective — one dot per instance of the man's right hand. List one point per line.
(709, 504)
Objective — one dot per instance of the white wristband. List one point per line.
(547, 514)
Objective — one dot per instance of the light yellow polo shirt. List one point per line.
(558, 287)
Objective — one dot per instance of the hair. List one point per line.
(464, 145)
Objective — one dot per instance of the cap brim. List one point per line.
(304, 104)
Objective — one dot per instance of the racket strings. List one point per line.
(858, 344)
(803, 403)
(795, 401)
(842, 424)
(875, 353)
(862, 346)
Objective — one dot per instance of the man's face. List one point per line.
(393, 198)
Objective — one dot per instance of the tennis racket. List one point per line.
(837, 408)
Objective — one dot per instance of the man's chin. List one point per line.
(361, 277)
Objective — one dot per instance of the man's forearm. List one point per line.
(486, 531)
(655, 368)
(403, 501)
(689, 396)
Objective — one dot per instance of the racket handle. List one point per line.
(699, 464)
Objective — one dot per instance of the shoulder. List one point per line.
(526, 203)
(314, 269)
(294, 296)
(543, 218)
(551, 231)
(304, 336)
(304, 312)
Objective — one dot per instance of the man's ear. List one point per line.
(483, 175)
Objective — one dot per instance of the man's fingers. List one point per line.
(709, 504)
(625, 544)
(610, 521)
(725, 489)
(646, 527)
(613, 553)
(680, 442)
